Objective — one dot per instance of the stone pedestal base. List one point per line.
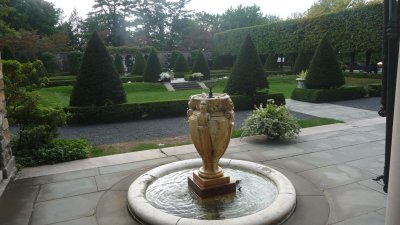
(211, 187)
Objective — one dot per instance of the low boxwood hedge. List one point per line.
(135, 111)
(363, 75)
(132, 79)
(374, 90)
(57, 83)
(328, 95)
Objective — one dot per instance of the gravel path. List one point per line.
(142, 129)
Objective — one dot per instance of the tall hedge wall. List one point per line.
(352, 30)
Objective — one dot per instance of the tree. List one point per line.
(31, 15)
(248, 73)
(200, 65)
(140, 64)
(50, 62)
(112, 15)
(119, 64)
(98, 82)
(73, 29)
(270, 62)
(322, 7)
(324, 71)
(181, 64)
(153, 68)
(302, 61)
(244, 17)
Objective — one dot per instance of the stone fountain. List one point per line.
(200, 191)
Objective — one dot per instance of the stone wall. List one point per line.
(7, 160)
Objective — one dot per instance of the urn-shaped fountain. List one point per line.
(211, 120)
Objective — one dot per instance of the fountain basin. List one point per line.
(275, 213)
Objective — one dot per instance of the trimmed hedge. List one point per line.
(132, 79)
(328, 95)
(153, 68)
(352, 30)
(135, 111)
(374, 90)
(57, 83)
(363, 75)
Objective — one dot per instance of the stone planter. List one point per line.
(301, 83)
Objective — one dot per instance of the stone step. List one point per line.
(186, 85)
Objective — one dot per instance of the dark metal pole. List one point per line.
(389, 78)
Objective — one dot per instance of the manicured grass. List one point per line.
(282, 84)
(317, 122)
(350, 81)
(149, 92)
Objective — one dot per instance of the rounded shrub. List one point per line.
(181, 64)
(200, 65)
(324, 71)
(248, 74)
(270, 62)
(118, 64)
(98, 82)
(302, 62)
(153, 68)
(75, 61)
(140, 64)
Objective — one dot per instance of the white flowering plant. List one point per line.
(273, 121)
(166, 76)
(197, 76)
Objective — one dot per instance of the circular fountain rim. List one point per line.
(276, 213)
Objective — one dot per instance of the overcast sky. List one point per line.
(281, 8)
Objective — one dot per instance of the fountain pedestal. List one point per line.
(210, 125)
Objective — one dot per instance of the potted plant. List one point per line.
(301, 79)
(273, 121)
(166, 76)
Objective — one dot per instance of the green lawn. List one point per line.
(148, 92)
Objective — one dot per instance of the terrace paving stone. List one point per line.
(106, 181)
(91, 220)
(61, 210)
(366, 219)
(335, 175)
(351, 201)
(373, 164)
(291, 164)
(310, 210)
(67, 189)
(136, 165)
(16, 205)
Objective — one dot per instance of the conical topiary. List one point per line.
(98, 82)
(302, 61)
(324, 71)
(140, 64)
(248, 73)
(118, 64)
(200, 65)
(270, 62)
(153, 68)
(181, 64)
(6, 53)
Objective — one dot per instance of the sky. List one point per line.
(281, 8)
